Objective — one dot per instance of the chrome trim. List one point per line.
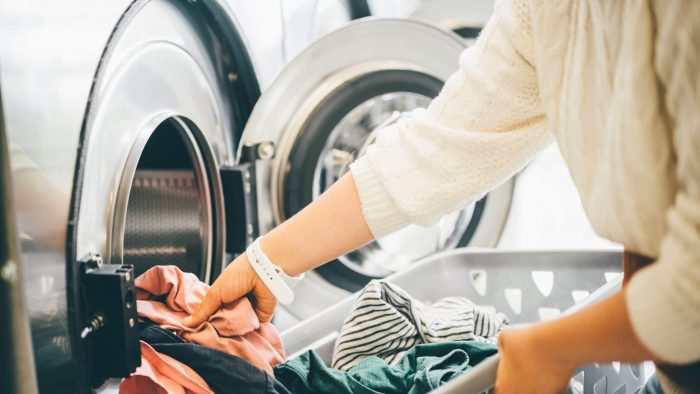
(115, 238)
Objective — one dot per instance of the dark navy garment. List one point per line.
(223, 372)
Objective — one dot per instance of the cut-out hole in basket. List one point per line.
(636, 370)
(611, 275)
(548, 313)
(601, 386)
(514, 297)
(621, 389)
(577, 383)
(544, 280)
(616, 365)
(478, 278)
(579, 295)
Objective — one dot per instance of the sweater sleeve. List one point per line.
(485, 125)
(663, 300)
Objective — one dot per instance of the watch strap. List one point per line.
(277, 281)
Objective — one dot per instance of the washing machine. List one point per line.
(120, 116)
(138, 136)
(320, 114)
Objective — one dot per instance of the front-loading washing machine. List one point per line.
(119, 117)
(125, 129)
(321, 112)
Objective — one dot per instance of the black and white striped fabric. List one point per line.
(386, 322)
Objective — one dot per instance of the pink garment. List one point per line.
(166, 295)
(161, 374)
(234, 329)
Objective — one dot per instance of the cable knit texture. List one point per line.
(616, 83)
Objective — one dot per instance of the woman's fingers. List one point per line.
(209, 306)
(235, 282)
(263, 302)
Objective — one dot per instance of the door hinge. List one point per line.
(110, 331)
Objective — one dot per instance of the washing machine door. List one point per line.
(324, 109)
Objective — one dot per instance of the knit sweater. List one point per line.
(616, 84)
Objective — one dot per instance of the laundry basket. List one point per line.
(526, 286)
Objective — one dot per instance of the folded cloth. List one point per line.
(223, 372)
(422, 369)
(386, 322)
(165, 295)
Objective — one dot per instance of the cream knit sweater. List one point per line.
(617, 85)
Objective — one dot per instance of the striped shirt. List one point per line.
(386, 322)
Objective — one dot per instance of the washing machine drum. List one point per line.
(326, 107)
(167, 218)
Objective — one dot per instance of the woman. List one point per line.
(617, 85)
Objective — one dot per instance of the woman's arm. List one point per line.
(329, 227)
(484, 126)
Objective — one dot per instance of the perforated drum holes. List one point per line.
(168, 216)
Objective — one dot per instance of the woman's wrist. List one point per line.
(279, 258)
(554, 345)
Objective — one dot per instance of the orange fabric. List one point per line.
(234, 329)
(161, 374)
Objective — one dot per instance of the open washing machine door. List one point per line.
(120, 117)
(318, 116)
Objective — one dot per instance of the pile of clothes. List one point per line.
(389, 343)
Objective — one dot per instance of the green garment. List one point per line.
(423, 368)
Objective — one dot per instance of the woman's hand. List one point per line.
(529, 364)
(542, 358)
(237, 280)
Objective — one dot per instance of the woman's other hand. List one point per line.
(237, 280)
(528, 365)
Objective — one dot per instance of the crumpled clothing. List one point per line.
(162, 374)
(223, 372)
(386, 322)
(166, 295)
(422, 369)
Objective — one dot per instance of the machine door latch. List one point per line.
(110, 331)
(240, 196)
(241, 206)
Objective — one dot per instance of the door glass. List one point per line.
(348, 140)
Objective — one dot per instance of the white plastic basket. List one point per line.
(527, 286)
